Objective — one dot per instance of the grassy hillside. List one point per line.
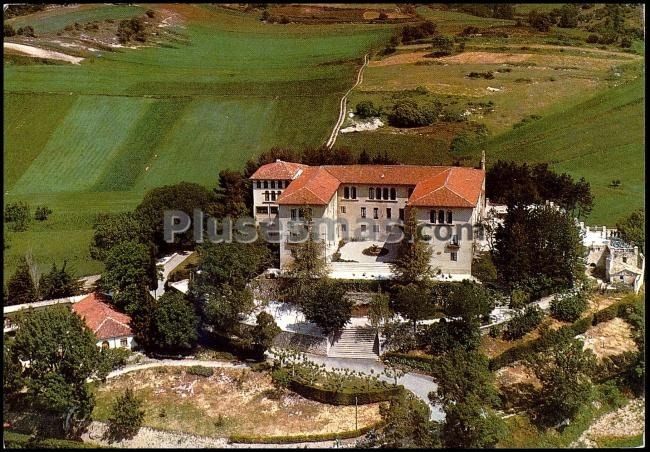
(601, 139)
(94, 137)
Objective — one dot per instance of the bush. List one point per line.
(150, 13)
(126, 417)
(408, 113)
(111, 359)
(568, 309)
(201, 371)
(343, 397)
(28, 31)
(489, 75)
(286, 439)
(523, 322)
(366, 109)
(9, 30)
(15, 440)
(593, 39)
(42, 212)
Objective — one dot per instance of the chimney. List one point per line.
(636, 251)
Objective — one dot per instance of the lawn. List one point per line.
(99, 134)
(231, 402)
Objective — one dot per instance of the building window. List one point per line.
(354, 192)
(432, 216)
(266, 184)
(259, 184)
(274, 210)
(393, 194)
(346, 192)
(363, 212)
(371, 193)
(625, 259)
(385, 193)
(401, 214)
(272, 184)
(342, 209)
(375, 213)
(621, 277)
(262, 209)
(272, 196)
(344, 228)
(388, 213)
(266, 196)
(441, 216)
(364, 227)
(124, 342)
(454, 239)
(375, 228)
(449, 217)
(294, 214)
(378, 193)
(454, 256)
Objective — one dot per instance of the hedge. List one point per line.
(201, 371)
(15, 440)
(342, 397)
(252, 439)
(423, 363)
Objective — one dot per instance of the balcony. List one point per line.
(453, 244)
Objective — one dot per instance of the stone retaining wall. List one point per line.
(302, 342)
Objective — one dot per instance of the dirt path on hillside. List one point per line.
(41, 53)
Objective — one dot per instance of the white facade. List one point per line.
(117, 342)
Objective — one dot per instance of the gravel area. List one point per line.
(626, 421)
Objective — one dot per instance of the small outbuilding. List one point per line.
(111, 327)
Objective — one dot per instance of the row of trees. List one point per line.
(19, 215)
(27, 286)
(536, 184)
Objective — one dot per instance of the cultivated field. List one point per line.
(93, 137)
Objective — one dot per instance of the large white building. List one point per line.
(369, 202)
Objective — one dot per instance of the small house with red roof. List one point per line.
(111, 327)
(371, 202)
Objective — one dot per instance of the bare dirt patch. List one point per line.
(487, 58)
(626, 421)
(517, 374)
(41, 53)
(610, 338)
(229, 402)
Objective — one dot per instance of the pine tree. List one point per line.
(126, 416)
(414, 255)
(21, 288)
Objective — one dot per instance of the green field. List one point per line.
(94, 137)
(601, 139)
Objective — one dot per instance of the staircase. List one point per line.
(355, 342)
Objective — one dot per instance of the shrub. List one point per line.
(9, 30)
(201, 371)
(111, 359)
(593, 39)
(523, 322)
(489, 75)
(126, 416)
(366, 109)
(495, 331)
(568, 309)
(42, 212)
(408, 113)
(15, 440)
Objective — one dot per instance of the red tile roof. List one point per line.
(454, 187)
(101, 318)
(278, 170)
(444, 186)
(315, 186)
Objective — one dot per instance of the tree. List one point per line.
(126, 416)
(538, 249)
(467, 394)
(469, 424)
(42, 212)
(327, 306)
(12, 380)
(231, 194)
(407, 424)
(414, 302)
(442, 45)
(379, 311)
(18, 214)
(175, 324)
(632, 229)
(225, 305)
(62, 354)
(9, 30)
(469, 301)
(58, 283)
(129, 265)
(21, 288)
(184, 196)
(569, 308)
(112, 229)
(364, 158)
(407, 113)
(564, 371)
(414, 255)
(568, 16)
(264, 331)
(308, 264)
(540, 21)
(366, 109)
